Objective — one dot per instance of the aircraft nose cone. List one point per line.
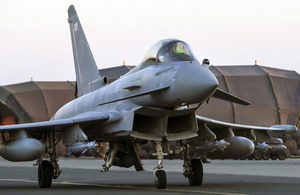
(194, 83)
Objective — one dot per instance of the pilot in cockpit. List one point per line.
(175, 52)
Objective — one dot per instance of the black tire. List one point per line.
(196, 178)
(161, 179)
(282, 156)
(250, 157)
(45, 173)
(273, 156)
(266, 155)
(258, 155)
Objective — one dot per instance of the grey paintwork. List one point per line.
(156, 100)
(20, 147)
(82, 55)
(237, 127)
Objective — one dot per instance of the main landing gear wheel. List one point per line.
(266, 155)
(45, 173)
(282, 156)
(160, 179)
(250, 157)
(196, 177)
(258, 155)
(273, 156)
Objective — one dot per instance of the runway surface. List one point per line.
(83, 176)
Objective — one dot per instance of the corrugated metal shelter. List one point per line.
(274, 95)
(34, 101)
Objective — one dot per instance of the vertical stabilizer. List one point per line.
(87, 73)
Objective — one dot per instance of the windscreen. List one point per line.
(175, 51)
(169, 50)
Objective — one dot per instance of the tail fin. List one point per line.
(87, 74)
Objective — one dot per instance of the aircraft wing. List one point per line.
(58, 125)
(215, 124)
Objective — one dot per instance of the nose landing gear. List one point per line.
(160, 177)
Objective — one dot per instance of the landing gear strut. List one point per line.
(48, 169)
(160, 177)
(122, 154)
(193, 168)
(109, 157)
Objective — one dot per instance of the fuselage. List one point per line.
(152, 100)
(189, 83)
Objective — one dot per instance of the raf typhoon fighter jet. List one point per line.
(154, 102)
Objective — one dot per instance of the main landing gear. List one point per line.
(48, 169)
(193, 168)
(45, 172)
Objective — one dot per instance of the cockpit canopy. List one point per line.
(169, 50)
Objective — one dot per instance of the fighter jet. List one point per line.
(154, 102)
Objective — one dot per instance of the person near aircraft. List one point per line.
(175, 52)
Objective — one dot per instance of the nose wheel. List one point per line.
(160, 179)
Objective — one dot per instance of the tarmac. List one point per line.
(83, 176)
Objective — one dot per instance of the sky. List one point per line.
(35, 39)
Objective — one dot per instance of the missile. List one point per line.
(263, 146)
(210, 146)
(279, 147)
(80, 148)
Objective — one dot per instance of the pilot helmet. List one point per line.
(178, 48)
(206, 61)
